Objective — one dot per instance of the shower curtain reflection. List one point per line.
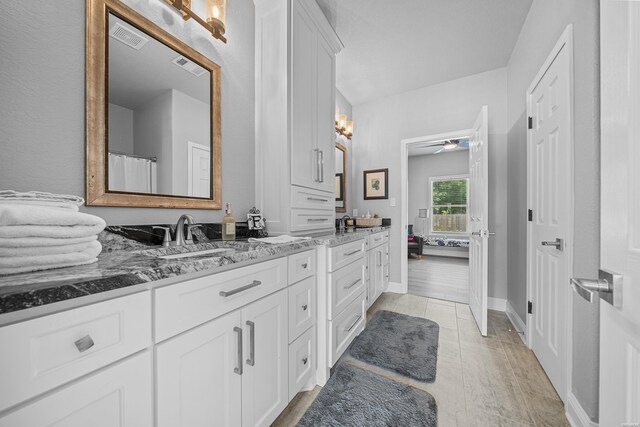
(132, 174)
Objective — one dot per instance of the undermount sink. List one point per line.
(197, 253)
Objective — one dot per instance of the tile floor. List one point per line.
(481, 381)
(439, 277)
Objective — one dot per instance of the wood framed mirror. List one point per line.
(152, 115)
(341, 178)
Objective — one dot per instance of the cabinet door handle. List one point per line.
(305, 360)
(352, 253)
(317, 199)
(317, 219)
(238, 369)
(84, 343)
(379, 258)
(321, 166)
(252, 342)
(304, 266)
(317, 164)
(358, 317)
(353, 284)
(304, 307)
(240, 289)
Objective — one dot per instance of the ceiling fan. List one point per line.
(450, 144)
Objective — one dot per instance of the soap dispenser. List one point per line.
(228, 225)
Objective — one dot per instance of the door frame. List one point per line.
(565, 41)
(403, 286)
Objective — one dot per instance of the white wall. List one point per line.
(451, 106)
(120, 129)
(545, 23)
(421, 169)
(42, 141)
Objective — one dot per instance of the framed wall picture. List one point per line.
(376, 184)
(339, 187)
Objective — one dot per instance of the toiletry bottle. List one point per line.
(228, 225)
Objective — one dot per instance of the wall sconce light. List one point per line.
(216, 14)
(344, 126)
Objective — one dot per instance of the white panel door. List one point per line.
(198, 376)
(549, 196)
(199, 170)
(120, 396)
(326, 115)
(479, 219)
(620, 210)
(266, 353)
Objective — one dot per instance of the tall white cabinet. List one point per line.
(295, 105)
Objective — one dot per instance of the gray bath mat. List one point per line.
(356, 397)
(399, 343)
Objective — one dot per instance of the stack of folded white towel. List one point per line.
(40, 231)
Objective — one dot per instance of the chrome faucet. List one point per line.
(191, 223)
(343, 222)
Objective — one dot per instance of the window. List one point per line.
(449, 199)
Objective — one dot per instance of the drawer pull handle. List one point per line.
(305, 360)
(240, 289)
(352, 253)
(252, 343)
(317, 219)
(304, 266)
(238, 369)
(355, 322)
(353, 284)
(304, 307)
(84, 343)
(317, 199)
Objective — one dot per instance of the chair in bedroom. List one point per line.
(415, 243)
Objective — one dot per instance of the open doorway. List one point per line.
(448, 220)
(438, 219)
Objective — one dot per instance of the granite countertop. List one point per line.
(127, 263)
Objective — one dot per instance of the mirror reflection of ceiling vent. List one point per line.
(127, 36)
(190, 66)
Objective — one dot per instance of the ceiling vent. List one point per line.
(127, 36)
(190, 66)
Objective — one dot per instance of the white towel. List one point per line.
(50, 204)
(32, 251)
(36, 242)
(14, 265)
(17, 221)
(41, 196)
(279, 240)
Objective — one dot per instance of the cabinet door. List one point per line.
(265, 376)
(305, 158)
(198, 379)
(120, 396)
(373, 276)
(326, 114)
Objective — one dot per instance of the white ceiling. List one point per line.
(396, 46)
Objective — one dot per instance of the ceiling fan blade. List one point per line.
(440, 150)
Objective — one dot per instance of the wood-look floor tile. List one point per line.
(528, 372)
(442, 302)
(479, 418)
(444, 315)
(463, 311)
(469, 334)
(546, 412)
(296, 408)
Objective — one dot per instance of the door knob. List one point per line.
(559, 244)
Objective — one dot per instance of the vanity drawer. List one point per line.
(184, 305)
(342, 255)
(378, 239)
(307, 198)
(46, 352)
(345, 285)
(311, 219)
(345, 327)
(301, 266)
(302, 361)
(302, 307)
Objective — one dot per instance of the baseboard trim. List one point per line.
(396, 287)
(498, 304)
(517, 322)
(576, 414)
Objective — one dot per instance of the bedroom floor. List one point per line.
(481, 381)
(441, 277)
